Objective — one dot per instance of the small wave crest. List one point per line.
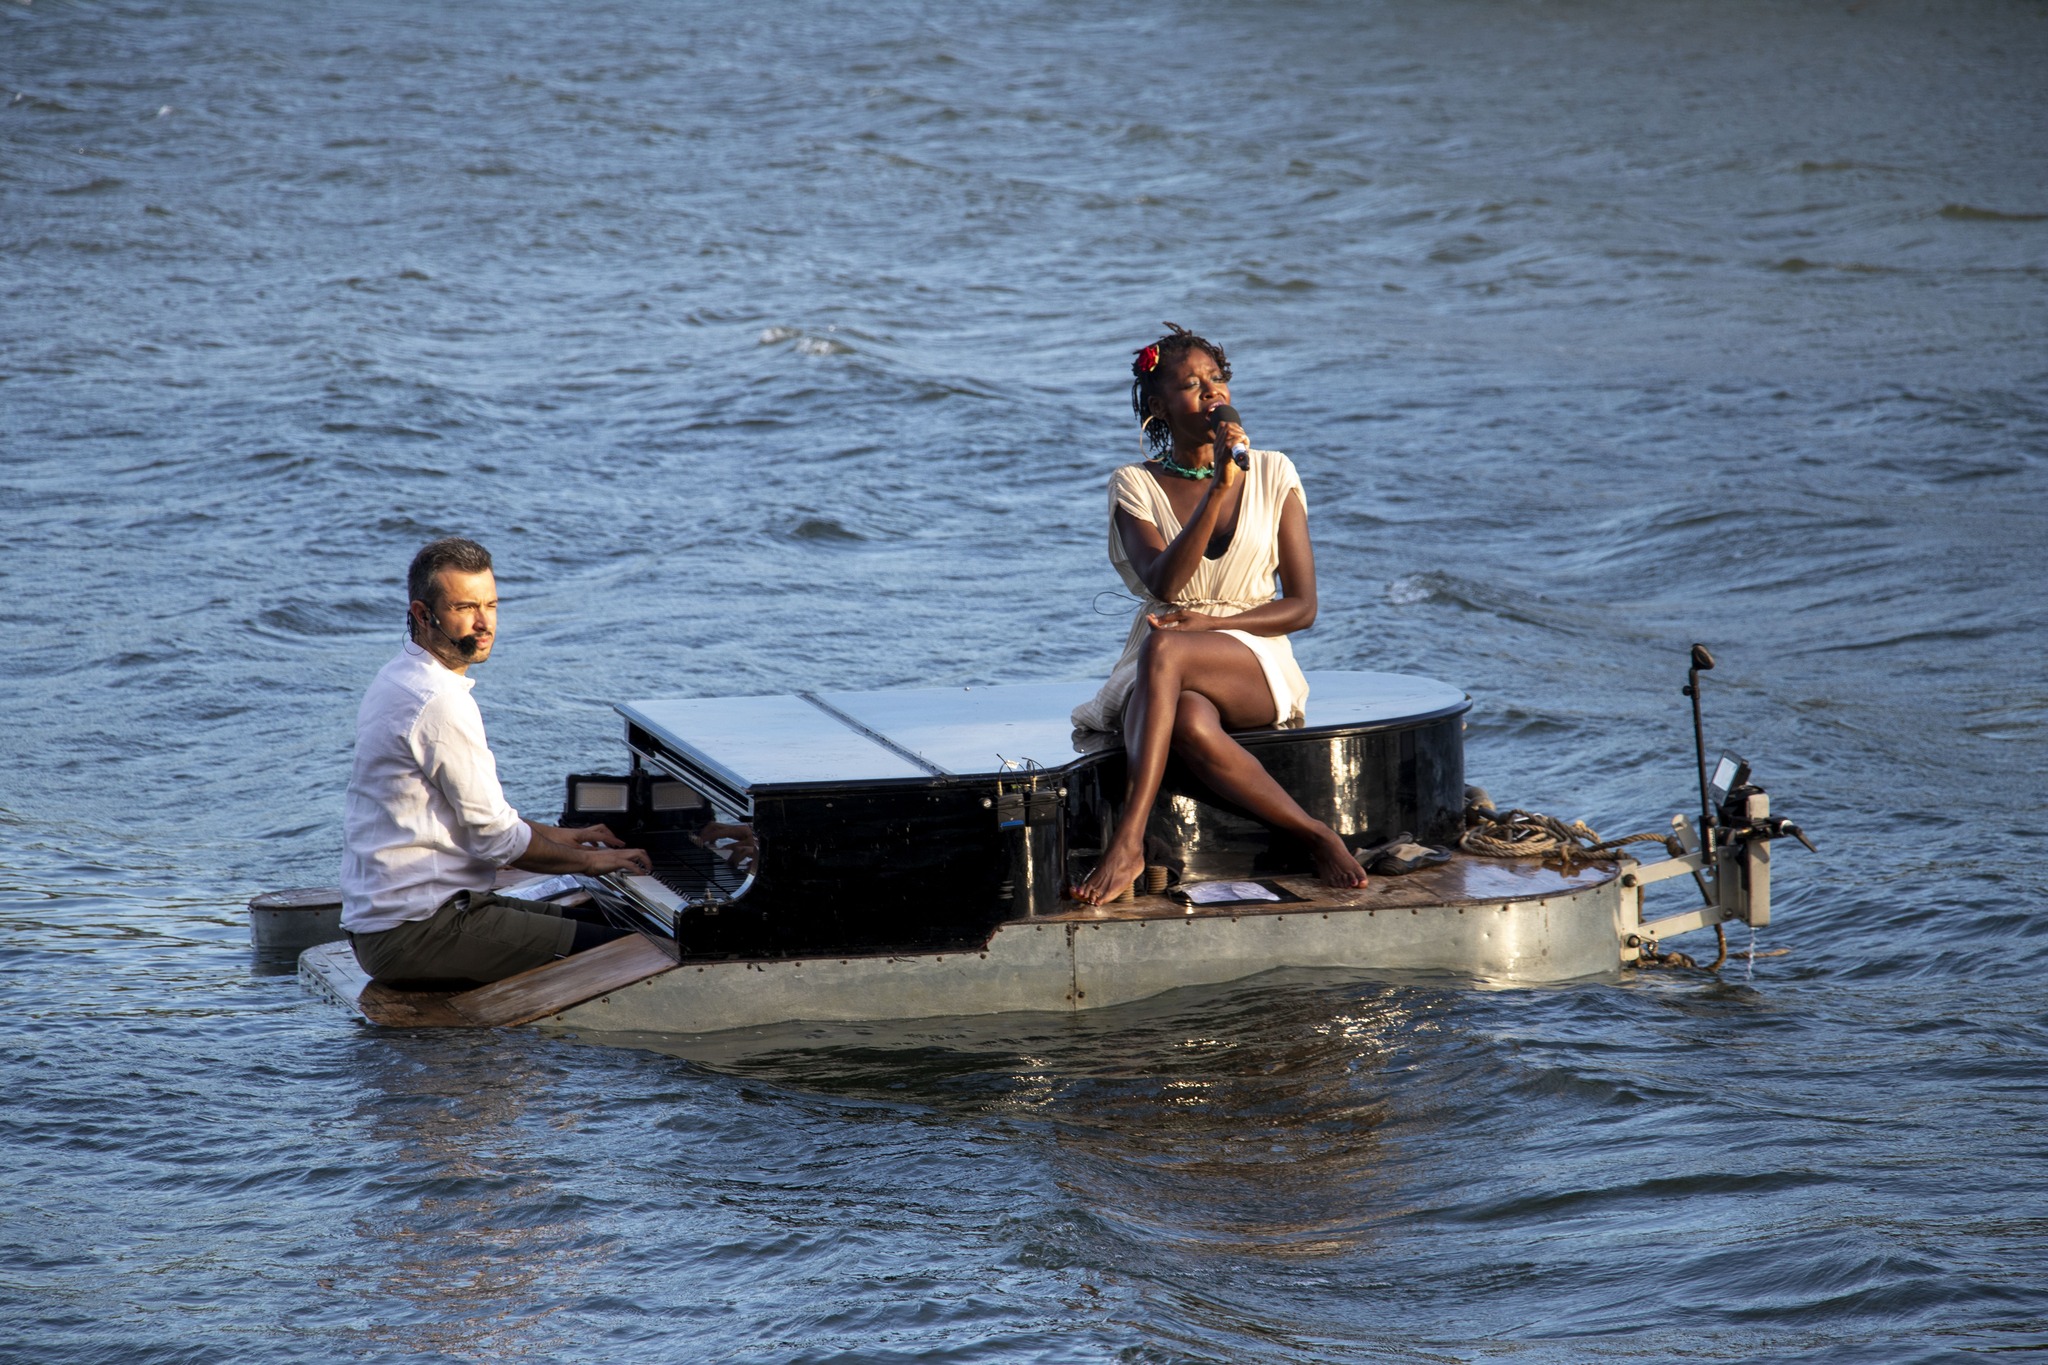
(1412, 590)
(804, 342)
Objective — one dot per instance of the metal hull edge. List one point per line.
(1078, 964)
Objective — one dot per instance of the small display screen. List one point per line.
(1730, 773)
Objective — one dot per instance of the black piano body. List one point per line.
(918, 820)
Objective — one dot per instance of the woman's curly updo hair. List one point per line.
(1150, 362)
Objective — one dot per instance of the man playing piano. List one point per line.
(427, 826)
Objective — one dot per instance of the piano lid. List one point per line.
(814, 739)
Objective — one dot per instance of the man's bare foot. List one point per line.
(1117, 870)
(1334, 863)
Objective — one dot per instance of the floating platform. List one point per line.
(911, 848)
(1498, 921)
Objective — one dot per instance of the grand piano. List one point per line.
(921, 820)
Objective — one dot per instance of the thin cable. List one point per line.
(1111, 592)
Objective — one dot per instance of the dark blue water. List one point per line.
(785, 347)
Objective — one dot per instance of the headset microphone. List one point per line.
(467, 644)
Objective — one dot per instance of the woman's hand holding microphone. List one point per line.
(1233, 447)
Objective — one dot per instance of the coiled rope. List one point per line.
(1530, 834)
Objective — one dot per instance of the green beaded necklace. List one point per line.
(1167, 462)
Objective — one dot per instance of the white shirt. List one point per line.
(425, 816)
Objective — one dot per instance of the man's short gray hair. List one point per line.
(449, 552)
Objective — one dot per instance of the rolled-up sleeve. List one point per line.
(449, 743)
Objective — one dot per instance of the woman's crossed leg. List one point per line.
(1193, 689)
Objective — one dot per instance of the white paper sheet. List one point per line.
(547, 888)
(1210, 893)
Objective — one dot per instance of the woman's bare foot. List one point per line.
(1334, 863)
(1119, 867)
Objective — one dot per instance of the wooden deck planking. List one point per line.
(1464, 880)
(535, 994)
(555, 986)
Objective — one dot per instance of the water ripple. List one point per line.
(749, 339)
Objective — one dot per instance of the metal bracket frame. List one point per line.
(1738, 883)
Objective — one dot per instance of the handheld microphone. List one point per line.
(1242, 451)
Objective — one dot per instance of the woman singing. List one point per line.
(1202, 539)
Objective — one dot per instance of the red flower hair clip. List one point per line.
(1148, 360)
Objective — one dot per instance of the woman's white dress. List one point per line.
(1241, 579)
